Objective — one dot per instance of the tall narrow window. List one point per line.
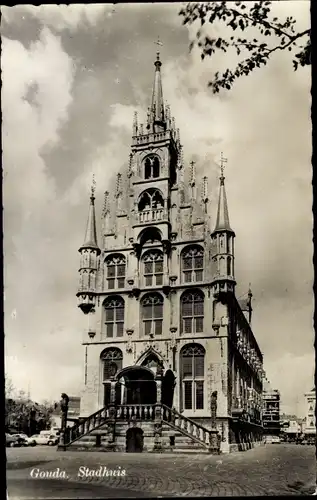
(153, 268)
(151, 167)
(229, 266)
(192, 312)
(114, 316)
(111, 364)
(193, 376)
(192, 264)
(152, 314)
(115, 271)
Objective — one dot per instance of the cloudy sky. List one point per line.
(72, 78)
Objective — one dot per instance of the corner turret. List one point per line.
(89, 252)
(223, 243)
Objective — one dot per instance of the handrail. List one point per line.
(198, 432)
(186, 418)
(191, 429)
(72, 435)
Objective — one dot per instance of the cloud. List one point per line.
(32, 211)
(61, 16)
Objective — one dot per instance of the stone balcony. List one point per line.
(152, 215)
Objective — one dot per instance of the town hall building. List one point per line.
(167, 342)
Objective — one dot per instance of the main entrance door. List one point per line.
(138, 386)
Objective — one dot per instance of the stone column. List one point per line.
(214, 441)
(64, 412)
(112, 414)
(158, 416)
(213, 410)
(159, 390)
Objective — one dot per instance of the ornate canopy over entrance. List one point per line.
(138, 385)
(145, 384)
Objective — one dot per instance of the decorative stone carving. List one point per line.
(213, 409)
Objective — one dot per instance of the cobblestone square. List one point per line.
(267, 470)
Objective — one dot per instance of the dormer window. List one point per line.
(151, 167)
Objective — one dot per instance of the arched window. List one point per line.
(153, 268)
(192, 312)
(192, 264)
(151, 167)
(115, 271)
(150, 236)
(192, 376)
(114, 316)
(150, 200)
(112, 363)
(152, 313)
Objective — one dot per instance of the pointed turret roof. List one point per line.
(90, 240)
(222, 222)
(157, 106)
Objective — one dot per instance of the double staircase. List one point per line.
(164, 430)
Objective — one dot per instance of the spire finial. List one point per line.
(135, 123)
(222, 166)
(192, 173)
(93, 187)
(159, 43)
(118, 184)
(205, 189)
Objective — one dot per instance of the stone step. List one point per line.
(187, 450)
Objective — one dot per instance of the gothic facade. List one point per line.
(157, 288)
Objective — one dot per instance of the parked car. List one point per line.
(18, 440)
(267, 439)
(25, 440)
(46, 438)
(275, 440)
(11, 440)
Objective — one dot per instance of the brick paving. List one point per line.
(267, 470)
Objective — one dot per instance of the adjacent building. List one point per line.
(157, 288)
(291, 429)
(271, 410)
(310, 417)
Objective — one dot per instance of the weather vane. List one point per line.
(222, 162)
(158, 42)
(93, 185)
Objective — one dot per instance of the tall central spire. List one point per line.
(157, 116)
